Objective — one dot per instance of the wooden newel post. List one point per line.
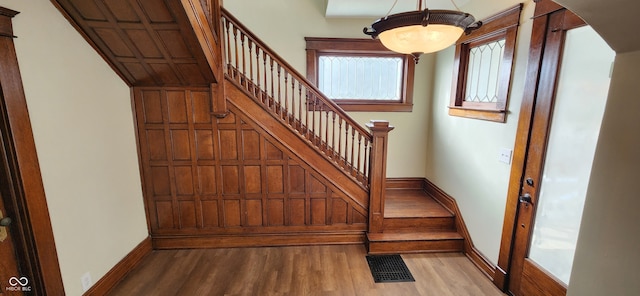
(378, 176)
(218, 100)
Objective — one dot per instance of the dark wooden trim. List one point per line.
(544, 283)
(132, 92)
(120, 270)
(316, 46)
(261, 240)
(219, 107)
(209, 41)
(378, 179)
(490, 115)
(503, 25)
(572, 21)
(373, 106)
(500, 278)
(488, 268)
(405, 183)
(346, 45)
(547, 38)
(545, 7)
(33, 211)
(482, 262)
(495, 24)
(536, 49)
(542, 104)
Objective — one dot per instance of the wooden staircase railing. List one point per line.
(289, 96)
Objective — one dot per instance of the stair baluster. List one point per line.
(268, 78)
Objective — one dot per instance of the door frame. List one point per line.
(541, 76)
(35, 241)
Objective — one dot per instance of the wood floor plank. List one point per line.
(412, 203)
(308, 270)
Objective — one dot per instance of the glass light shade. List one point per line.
(421, 31)
(420, 39)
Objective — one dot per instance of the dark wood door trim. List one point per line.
(536, 146)
(549, 26)
(30, 203)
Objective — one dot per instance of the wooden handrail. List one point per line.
(284, 64)
(289, 96)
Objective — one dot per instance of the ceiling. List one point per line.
(379, 8)
(617, 25)
(615, 20)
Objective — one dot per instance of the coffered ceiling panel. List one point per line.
(147, 42)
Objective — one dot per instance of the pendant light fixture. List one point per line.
(421, 31)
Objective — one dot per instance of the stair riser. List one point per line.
(419, 224)
(400, 247)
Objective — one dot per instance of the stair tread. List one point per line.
(412, 203)
(413, 236)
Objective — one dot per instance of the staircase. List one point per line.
(239, 149)
(414, 223)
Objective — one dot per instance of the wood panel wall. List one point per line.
(209, 176)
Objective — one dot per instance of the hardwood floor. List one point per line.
(309, 270)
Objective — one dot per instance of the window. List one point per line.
(483, 65)
(361, 74)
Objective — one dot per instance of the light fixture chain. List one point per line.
(455, 5)
(392, 6)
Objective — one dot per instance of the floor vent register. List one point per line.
(389, 268)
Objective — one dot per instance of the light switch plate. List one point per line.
(505, 155)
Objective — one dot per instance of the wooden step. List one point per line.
(413, 210)
(415, 223)
(414, 242)
(432, 224)
(412, 203)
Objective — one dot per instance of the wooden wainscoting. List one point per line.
(229, 182)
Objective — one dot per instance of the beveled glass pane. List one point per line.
(356, 77)
(483, 74)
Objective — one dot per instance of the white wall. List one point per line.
(83, 127)
(282, 25)
(607, 257)
(462, 153)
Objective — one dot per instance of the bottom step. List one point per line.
(396, 243)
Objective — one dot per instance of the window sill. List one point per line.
(375, 107)
(483, 114)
